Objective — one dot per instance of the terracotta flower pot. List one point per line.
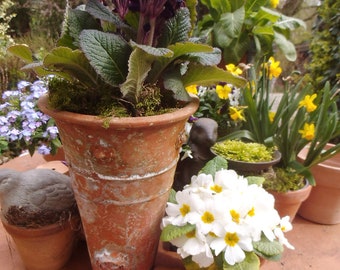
(323, 204)
(46, 248)
(122, 170)
(288, 203)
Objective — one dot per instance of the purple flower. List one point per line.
(44, 150)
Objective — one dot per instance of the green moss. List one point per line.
(282, 180)
(242, 151)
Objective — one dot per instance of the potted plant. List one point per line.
(129, 58)
(301, 116)
(222, 220)
(247, 157)
(39, 212)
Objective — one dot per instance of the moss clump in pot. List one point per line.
(243, 151)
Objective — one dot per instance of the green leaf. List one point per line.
(172, 81)
(209, 75)
(76, 21)
(286, 46)
(140, 63)
(171, 232)
(257, 180)
(108, 54)
(216, 164)
(99, 11)
(251, 262)
(71, 64)
(22, 51)
(268, 249)
(176, 29)
(172, 196)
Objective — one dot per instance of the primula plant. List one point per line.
(301, 116)
(22, 125)
(137, 55)
(224, 221)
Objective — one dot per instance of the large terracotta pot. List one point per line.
(122, 170)
(288, 203)
(46, 248)
(323, 204)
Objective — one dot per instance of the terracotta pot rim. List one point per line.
(73, 222)
(123, 122)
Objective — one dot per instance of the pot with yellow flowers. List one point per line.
(118, 98)
(301, 116)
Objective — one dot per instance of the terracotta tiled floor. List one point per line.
(316, 246)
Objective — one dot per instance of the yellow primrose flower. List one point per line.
(236, 114)
(274, 3)
(271, 115)
(234, 69)
(307, 102)
(274, 68)
(223, 91)
(308, 131)
(192, 89)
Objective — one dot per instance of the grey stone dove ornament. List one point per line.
(35, 197)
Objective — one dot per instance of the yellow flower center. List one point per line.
(216, 188)
(235, 216)
(185, 209)
(231, 239)
(208, 217)
(251, 212)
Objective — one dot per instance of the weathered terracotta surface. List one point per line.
(323, 204)
(288, 203)
(46, 248)
(122, 174)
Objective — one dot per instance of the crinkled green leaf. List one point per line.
(271, 250)
(251, 262)
(71, 63)
(176, 29)
(76, 21)
(171, 232)
(216, 164)
(108, 54)
(140, 63)
(172, 80)
(172, 196)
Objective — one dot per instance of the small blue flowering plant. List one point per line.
(224, 221)
(22, 125)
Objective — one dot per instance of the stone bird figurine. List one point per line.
(37, 194)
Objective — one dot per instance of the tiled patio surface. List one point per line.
(316, 246)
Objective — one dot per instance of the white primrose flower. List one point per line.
(229, 215)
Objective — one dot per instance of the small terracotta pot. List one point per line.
(323, 204)
(46, 248)
(288, 203)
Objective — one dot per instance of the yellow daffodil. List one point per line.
(236, 114)
(234, 69)
(192, 89)
(271, 116)
(273, 67)
(223, 91)
(274, 3)
(307, 102)
(308, 131)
